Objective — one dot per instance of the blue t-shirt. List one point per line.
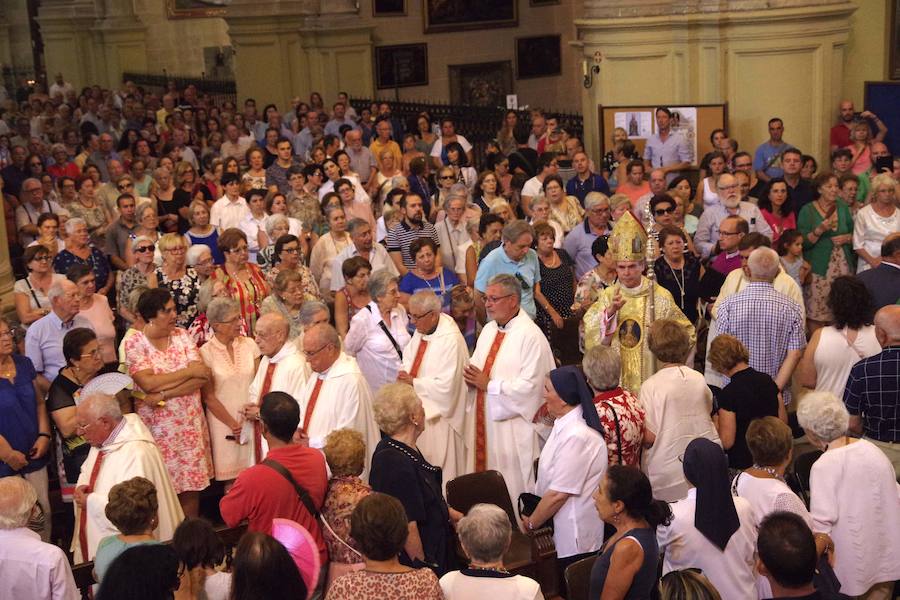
(109, 550)
(411, 283)
(527, 271)
(18, 415)
(763, 159)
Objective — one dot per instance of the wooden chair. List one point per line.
(578, 578)
(532, 554)
(799, 478)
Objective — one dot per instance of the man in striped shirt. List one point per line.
(411, 227)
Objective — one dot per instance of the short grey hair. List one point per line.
(309, 309)
(379, 282)
(398, 180)
(74, 222)
(485, 532)
(274, 220)
(57, 289)
(139, 239)
(356, 223)
(513, 230)
(195, 252)
(394, 405)
(220, 308)
(142, 207)
(509, 283)
(602, 366)
(592, 199)
(764, 264)
(100, 405)
(425, 300)
(331, 208)
(538, 200)
(824, 415)
(17, 499)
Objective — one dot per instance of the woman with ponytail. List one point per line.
(628, 561)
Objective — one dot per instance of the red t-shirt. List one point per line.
(261, 494)
(840, 136)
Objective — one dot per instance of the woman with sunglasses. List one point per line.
(679, 271)
(141, 274)
(30, 292)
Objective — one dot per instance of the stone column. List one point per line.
(68, 42)
(764, 58)
(120, 39)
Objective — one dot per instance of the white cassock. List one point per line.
(514, 394)
(290, 375)
(132, 453)
(440, 385)
(344, 401)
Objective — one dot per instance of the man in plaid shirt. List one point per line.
(872, 394)
(766, 321)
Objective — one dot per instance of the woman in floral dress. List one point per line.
(244, 281)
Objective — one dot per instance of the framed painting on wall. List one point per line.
(388, 8)
(194, 9)
(538, 56)
(401, 66)
(455, 15)
(481, 84)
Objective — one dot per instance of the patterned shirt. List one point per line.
(873, 392)
(768, 323)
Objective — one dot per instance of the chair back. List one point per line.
(487, 487)
(799, 479)
(578, 578)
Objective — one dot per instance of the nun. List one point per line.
(711, 530)
(570, 468)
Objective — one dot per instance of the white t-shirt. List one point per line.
(438, 146)
(459, 586)
(533, 187)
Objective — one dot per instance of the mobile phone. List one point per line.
(884, 164)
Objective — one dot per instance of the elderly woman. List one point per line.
(345, 452)
(30, 292)
(621, 414)
(843, 483)
(91, 211)
(95, 308)
(679, 271)
(875, 221)
(244, 281)
(354, 296)
(180, 280)
(141, 274)
(232, 360)
(287, 298)
(427, 274)
(147, 223)
(132, 509)
(834, 349)
(627, 564)
(329, 246)
(168, 371)
(79, 252)
(286, 257)
(399, 469)
(678, 404)
(571, 464)
(556, 293)
(201, 232)
(484, 534)
(827, 228)
(379, 526)
(200, 258)
(378, 334)
(540, 213)
(200, 329)
(748, 395)
(565, 210)
(711, 530)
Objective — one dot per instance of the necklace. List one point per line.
(770, 470)
(680, 284)
(492, 569)
(9, 371)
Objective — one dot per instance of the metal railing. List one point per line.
(220, 90)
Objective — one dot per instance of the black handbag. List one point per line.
(527, 504)
(826, 582)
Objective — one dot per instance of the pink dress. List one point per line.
(179, 427)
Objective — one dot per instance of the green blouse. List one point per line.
(819, 253)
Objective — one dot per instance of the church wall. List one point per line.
(177, 44)
(866, 56)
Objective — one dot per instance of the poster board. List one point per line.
(694, 121)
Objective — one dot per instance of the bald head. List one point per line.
(272, 331)
(321, 346)
(887, 325)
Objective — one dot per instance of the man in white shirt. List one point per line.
(31, 568)
(32, 206)
(229, 210)
(60, 87)
(548, 164)
(362, 239)
(234, 145)
(453, 235)
(448, 136)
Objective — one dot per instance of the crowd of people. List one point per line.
(333, 313)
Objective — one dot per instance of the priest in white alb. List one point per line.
(506, 381)
(336, 396)
(282, 368)
(433, 363)
(121, 448)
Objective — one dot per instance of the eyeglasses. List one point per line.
(664, 211)
(7, 333)
(177, 250)
(447, 177)
(143, 249)
(239, 249)
(495, 299)
(82, 428)
(291, 250)
(42, 258)
(413, 317)
(95, 353)
(311, 353)
(721, 233)
(125, 186)
(32, 190)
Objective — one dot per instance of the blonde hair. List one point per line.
(169, 241)
(394, 405)
(345, 452)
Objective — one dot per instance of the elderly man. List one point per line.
(883, 282)
(871, 394)
(433, 363)
(44, 338)
(453, 235)
(584, 181)
(282, 368)
(708, 229)
(621, 315)
(31, 205)
(121, 448)
(31, 568)
(578, 242)
(412, 225)
(109, 191)
(767, 322)
(514, 257)
(336, 395)
(362, 238)
(506, 378)
(234, 145)
(103, 155)
(361, 159)
(657, 182)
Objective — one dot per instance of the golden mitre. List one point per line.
(628, 240)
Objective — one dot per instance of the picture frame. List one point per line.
(481, 84)
(196, 9)
(458, 15)
(543, 2)
(894, 49)
(403, 65)
(538, 56)
(388, 8)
